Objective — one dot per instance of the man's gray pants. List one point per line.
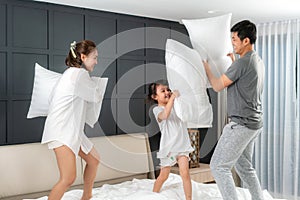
(235, 149)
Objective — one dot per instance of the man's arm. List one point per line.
(217, 84)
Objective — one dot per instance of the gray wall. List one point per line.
(41, 32)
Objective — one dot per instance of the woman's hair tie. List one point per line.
(72, 48)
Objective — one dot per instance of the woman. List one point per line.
(72, 104)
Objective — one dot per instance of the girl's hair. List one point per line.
(152, 90)
(76, 49)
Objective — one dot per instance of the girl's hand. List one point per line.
(175, 93)
(205, 64)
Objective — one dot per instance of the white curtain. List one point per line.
(277, 150)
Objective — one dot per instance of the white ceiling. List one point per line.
(256, 10)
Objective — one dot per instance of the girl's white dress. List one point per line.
(174, 134)
(75, 100)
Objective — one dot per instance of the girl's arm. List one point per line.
(166, 112)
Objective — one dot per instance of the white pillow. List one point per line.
(44, 81)
(211, 37)
(185, 73)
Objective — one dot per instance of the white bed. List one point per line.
(28, 171)
(142, 189)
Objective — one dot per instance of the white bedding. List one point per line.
(142, 189)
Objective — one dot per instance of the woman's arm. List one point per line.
(88, 88)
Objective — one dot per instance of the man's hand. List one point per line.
(232, 57)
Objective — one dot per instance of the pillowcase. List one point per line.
(185, 73)
(211, 37)
(44, 82)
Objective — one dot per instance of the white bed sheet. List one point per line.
(142, 189)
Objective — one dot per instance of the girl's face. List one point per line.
(90, 60)
(163, 94)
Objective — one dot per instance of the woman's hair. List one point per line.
(245, 29)
(76, 49)
(152, 90)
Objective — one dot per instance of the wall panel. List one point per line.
(30, 27)
(131, 115)
(23, 71)
(58, 63)
(2, 122)
(157, 33)
(103, 32)
(2, 25)
(3, 75)
(180, 34)
(67, 27)
(130, 77)
(108, 117)
(131, 36)
(155, 71)
(24, 130)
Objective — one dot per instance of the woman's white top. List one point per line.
(174, 134)
(75, 100)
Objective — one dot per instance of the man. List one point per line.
(244, 83)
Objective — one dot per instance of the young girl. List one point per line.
(175, 144)
(69, 110)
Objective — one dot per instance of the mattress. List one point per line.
(142, 189)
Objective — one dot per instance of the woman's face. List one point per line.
(90, 60)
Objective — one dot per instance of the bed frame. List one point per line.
(30, 170)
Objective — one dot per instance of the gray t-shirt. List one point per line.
(244, 94)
